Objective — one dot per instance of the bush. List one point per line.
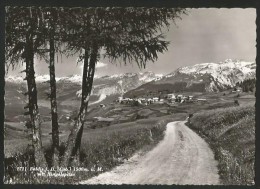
(236, 102)
(135, 103)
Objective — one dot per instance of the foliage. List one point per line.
(22, 42)
(20, 22)
(236, 102)
(129, 34)
(247, 85)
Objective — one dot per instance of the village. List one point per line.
(167, 98)
(161, 99)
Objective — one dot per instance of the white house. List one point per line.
(202, 99)
(120, 99)
(149, 100)
(171, 96)
(155, 99)
(125, 100)
(180, 96)
(185, 98)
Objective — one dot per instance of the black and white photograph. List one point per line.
(129, 95)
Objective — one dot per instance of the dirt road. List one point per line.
(182, 157)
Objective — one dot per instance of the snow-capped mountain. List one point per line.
(205, 77)
(14, 79)
(222, 75)
(44, 78)
(102, 86)
(146, 77)
(120, 83)
(143, 76)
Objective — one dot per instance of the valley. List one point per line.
(119, 130)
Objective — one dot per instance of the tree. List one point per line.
(47, 30)
(22, 41)
(54, 114)
(248, 85)
(52, 28)
(126, 34)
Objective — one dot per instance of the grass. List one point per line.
(137, 128)
(231, 134)
(101, 150)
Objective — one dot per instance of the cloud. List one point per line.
(100, 65)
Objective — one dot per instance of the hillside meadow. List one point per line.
(102, 148)
(111, 134)
(230, 133)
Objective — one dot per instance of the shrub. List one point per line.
(236, 102)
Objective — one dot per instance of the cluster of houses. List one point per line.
(169, 98)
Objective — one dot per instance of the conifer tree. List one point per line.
(22, 41)
(125, 34)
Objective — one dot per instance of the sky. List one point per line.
(203, 35)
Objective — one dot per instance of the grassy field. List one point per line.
(102, 149)
(111, 134)
(231, 134)
(107, 144)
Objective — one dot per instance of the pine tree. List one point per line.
(22, 40)
(127, 34)
(52, 29)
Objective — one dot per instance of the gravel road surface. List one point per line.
(182, 157)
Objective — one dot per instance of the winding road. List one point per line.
(101, 98)
(182, 157)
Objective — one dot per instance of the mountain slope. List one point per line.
(119, 84)
(69, 88)
(205, 77)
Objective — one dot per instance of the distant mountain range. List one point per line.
(45, 78)
(102, 86)
(120, 84)
(205, 77)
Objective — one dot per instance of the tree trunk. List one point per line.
(75, 136)
(87, 82)
(54, 114)
(33, 107)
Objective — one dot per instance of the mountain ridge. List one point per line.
(204, 77)
(78, 78)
